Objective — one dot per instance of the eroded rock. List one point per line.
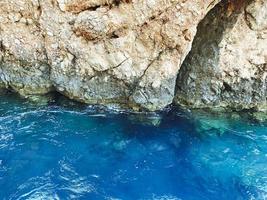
(99, 51)
(130, 51)
(23, 60)
(227, 66)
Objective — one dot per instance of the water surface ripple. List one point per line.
(64, 150)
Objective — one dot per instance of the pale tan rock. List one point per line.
(227, 66)
(256, 15)
(138, 46)
(111, 51)
(23, 63)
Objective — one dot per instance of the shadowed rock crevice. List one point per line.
(225, 67)
(126, 52)
(129, 36)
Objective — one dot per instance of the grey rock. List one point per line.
(227, 66)
(130, 51)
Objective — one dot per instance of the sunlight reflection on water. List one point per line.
(73, 151)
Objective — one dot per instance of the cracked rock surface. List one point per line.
(227, 66)
(127, 51)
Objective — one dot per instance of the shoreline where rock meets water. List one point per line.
(142, 54)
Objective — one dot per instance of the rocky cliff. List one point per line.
(227, 66)
(136, 52)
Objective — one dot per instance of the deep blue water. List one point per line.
(65, 150)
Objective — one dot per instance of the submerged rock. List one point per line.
(41, 100)
(259, 117)
(216, 123)
(146, 119)
(213, 122)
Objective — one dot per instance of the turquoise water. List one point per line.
(65, 150)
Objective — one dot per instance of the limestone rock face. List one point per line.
(23, 60)
(227, 66)
(130, 51)
(98, 51)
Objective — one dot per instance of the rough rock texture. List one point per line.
(23, 61)
(130, 51)
(227, 66)
(98, 51)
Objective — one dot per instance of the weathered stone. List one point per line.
(130, 51)
(23, 60)
(99, 51)
(227, 66)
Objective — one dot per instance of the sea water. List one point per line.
(64, 150)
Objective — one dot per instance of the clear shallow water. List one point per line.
(65, 150)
